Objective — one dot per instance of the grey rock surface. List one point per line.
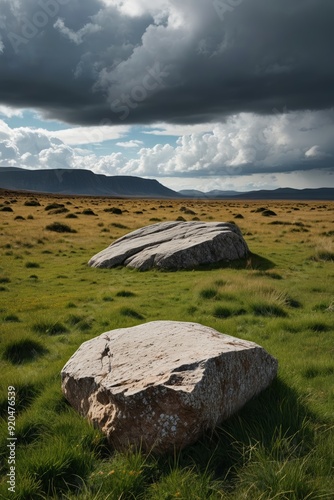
(160, 385)
(175, 245)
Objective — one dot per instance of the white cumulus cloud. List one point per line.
(244, 145)
(130, 144)
(9, 112)
(76, 37)
(90, 135)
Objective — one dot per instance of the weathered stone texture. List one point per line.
(161, 384)
(175, 245)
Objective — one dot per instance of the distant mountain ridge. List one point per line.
(82, 182)
(86, 182)
(216, 193)
(321, 194)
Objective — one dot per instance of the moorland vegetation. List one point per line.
(280, 446)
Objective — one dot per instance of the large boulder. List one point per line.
(159, 385)
(175, 245)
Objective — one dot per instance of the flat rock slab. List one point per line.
(160, 385)
(175, 245)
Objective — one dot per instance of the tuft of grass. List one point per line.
(118, 225)
(130, 313)
(32, 265)
(71, 305)
(107, 298)
(59, 227)
(324, 255)
(259, 210)
(49, 328)
(226, 312)
(267, 309)
(32, 203)
(324, 251)
(114, 210)
(11, 318)
(318, 326)
(74, 319)
(125, 293)
(209, 293)
(23, 350)
(32, 428)
(328, 233)
(268, 213)
(57, 211)
(80, 322)
(57, 467)
(88, 211)
(54, 206)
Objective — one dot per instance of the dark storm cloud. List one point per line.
(86, 62)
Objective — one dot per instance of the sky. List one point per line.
(198, 94)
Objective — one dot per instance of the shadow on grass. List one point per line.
(252, 262)
(277, 414)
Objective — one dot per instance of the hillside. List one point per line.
(82, 182)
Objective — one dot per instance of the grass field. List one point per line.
(280, 446)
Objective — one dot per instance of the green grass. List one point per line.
(11, 318)
(130, 313)
(32, 265)
(49, 328)
(209, 293)
(279, 446)
(267, 309)
(23, 350)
